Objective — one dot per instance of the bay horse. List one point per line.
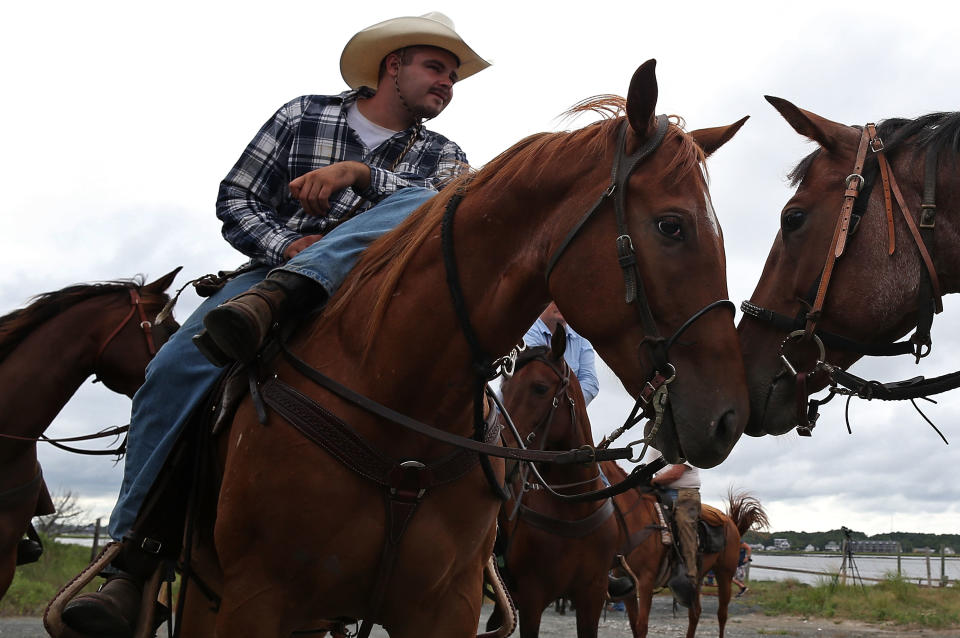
(860, 259)
(47, 350)
(651, 562)
(553, 548)
(298, 535)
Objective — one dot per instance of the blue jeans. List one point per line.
(179, 377)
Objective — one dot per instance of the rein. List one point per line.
(804, 325)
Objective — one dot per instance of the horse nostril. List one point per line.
(726, 431)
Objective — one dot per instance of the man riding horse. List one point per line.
(293, 204)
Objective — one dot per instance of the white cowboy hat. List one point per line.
(360, 60)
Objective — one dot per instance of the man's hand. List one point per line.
(314, 189)
(300, 244)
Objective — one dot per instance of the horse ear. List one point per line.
(824, 132)
(710, 139)
(558, 343)
(160, 285)
(642, 99)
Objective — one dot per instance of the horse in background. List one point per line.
(650, 561)
(47, 350)
(552, 548)
(279, 492)
(861, 258)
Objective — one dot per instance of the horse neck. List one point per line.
(502, 240)
(48, 366)
(947, 232)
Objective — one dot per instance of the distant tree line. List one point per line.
(908, 540)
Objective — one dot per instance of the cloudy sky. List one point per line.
(121, 118)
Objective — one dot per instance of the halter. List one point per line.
(803, 327)
(145, 325)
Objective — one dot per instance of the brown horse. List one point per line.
(554, 548)
(651, 561)
(47, 350)
(299, 535)
(860, 259)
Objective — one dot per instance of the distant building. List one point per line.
(831, 546)
(948, 551)
(756, 546)
(924, 550)
(781, 544)
(809, 548)
(875, 547)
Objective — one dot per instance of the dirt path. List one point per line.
(745, 621)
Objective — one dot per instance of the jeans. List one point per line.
(179, 377)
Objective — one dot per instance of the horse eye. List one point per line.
(670, 227)
(540, 388)
(793, 219)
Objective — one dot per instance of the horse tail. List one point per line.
(746, 511)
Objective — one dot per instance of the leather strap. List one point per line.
(568, 528)
(839, 241)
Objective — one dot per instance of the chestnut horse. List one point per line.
(298, 535)
(651, 561)
(47, 350)
(554, 548)
(861, 258)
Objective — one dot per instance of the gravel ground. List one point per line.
(745, 621)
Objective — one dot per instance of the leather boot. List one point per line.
(236, 329)
(110, 612)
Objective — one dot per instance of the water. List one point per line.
(912, 566)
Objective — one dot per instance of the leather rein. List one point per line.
(804, 326)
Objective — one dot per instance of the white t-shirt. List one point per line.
(690, 478)
(372, 135)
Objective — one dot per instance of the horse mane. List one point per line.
(389, 255)
(941, 130)
(746, 511)
(15, 326)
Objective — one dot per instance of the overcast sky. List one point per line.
(121, 118)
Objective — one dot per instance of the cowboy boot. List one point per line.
(236, 329)
(111, 611)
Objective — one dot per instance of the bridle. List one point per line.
(804, 326)
(652, 401)
(146, 326)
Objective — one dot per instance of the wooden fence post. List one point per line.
(96, 541)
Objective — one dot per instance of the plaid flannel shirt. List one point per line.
(261, 218)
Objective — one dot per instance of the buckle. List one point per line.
(151, 546)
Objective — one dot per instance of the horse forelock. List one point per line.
(17, 325)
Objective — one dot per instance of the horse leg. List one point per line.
(693, 615)
(256, 609)
(589, 609)
(8, 563)
(454, 615)
(724, 590)
(640, 618)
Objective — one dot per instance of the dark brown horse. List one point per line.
(651, 561)
(393, 335)
(861, 258)
(554, 548)
(47, 350)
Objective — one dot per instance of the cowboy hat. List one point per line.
(360, 60)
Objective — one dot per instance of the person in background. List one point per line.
(682, 483)
(579, 354)
(739, 577)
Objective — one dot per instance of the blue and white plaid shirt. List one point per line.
(261, 218)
